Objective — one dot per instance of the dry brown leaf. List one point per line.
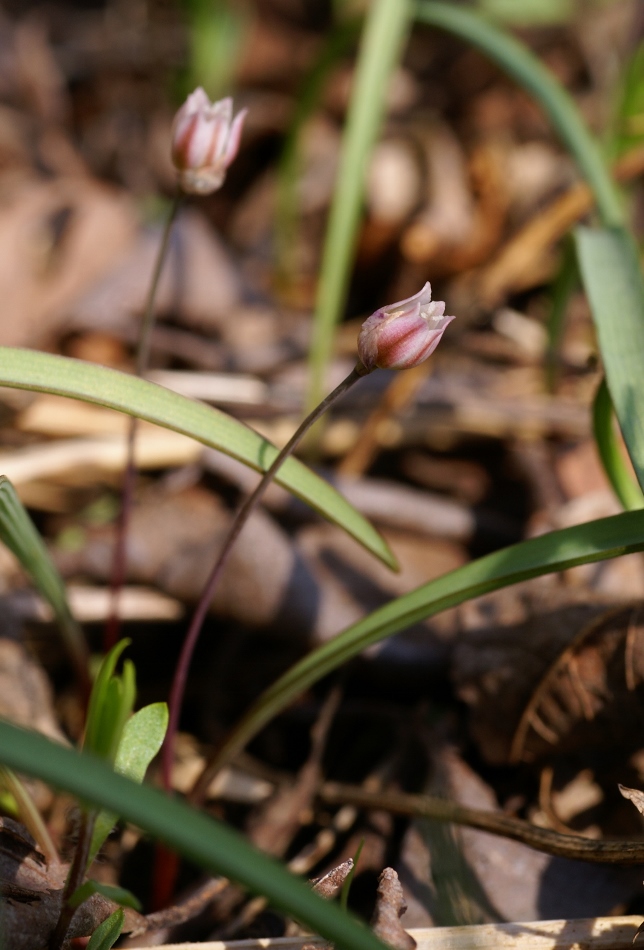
(604, 662)
(634, 795)
(390, 906)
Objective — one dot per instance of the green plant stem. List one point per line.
(385, 28)
(187, 650)
(520, 63)
(119, 561)
(74, 879)
(624, 485)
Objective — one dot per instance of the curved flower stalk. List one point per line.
(205, 140)
(395, 337)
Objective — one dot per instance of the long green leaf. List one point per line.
(520, 63)
(385, 28)
(19, 534)
(612, 276)
(610, 452)
(310, 89)
(42, 372)
(557, 551)
(203, 840)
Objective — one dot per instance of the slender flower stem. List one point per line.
(183, 665)
(129, 476)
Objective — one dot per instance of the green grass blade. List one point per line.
(200, 838)
(385, 28)
(310, 89)
(612, 276)
(19, 534)
(624, 486)
(557, 551)
(43, 372)
(520, 63)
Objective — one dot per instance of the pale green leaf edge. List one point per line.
(62, 376)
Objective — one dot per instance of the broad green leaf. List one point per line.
(557, 551)
(43, 372)
(201, 839)
(107, 933)
(119, 895)
(142, 738)
(612, 277)
(386, 25)
(18, 533)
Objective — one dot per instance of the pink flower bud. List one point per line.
(403, 334)
(205, 140)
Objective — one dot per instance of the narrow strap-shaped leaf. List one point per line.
(386, 25)
(557, 551)
(610, 267)
(19, 534)
(610, 451)
(521, 63)
(200, 838)
(43, 372)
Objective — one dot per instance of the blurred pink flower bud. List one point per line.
(403, 334)
(205, 140)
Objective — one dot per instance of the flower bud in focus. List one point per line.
(205, 140)
(403, 334)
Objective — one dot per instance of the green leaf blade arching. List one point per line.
(560, 550)
(207, 842)
(612, 276)
(62, 376)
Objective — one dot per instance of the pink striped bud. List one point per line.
(403, 334)
(205, 140)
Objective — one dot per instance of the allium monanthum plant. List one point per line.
(205, 140)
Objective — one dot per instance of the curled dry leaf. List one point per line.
(390, 906)
(634, 795)
(330, 884)
(594, 674)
